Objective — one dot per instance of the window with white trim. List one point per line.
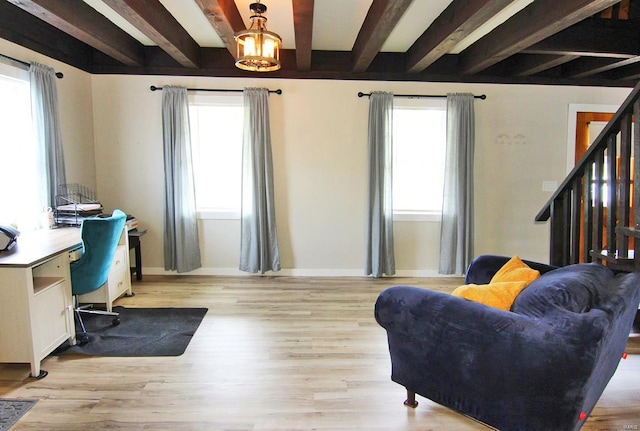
(216, 144)
(419, 146)
(23, 191)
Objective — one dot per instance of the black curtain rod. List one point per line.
(419, 96)
(59, 75)
(154, 88)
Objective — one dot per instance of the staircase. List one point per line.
(595, 213)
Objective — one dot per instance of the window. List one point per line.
(419, 145)
(24, 192)
(216, 143)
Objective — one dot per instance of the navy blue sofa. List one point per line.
(541, 366)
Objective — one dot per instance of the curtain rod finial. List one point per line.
(153, 88)
(60, 75)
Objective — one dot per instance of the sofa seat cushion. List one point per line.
(573, 288)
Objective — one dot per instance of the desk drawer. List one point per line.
(119, 282)
(119, 259)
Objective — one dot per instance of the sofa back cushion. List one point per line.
(575, 288)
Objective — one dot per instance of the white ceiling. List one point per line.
(336, 23)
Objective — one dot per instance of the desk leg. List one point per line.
(36, 372)
(138, 253)
(134, 244)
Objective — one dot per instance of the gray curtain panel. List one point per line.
(259, 234)
(380, 257)
(456, 235)
(181, 244)
(46, 120)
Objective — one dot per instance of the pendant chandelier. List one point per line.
(258, 49)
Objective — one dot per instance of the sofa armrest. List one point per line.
(484, 267)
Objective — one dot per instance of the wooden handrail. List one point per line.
(579, 210)
(612, 126)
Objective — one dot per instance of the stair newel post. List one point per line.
(588, 213)
(576, 197)
(624, 185)
(610, 179)
(636, 178)
(598, 208)
(557, 243)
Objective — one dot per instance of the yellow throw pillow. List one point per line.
(499, 295)
(503, 288)
(515, 270)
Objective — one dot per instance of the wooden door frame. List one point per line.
(583, 137)
(574, 108)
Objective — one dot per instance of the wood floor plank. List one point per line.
(272, 353)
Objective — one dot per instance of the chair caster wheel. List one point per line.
(82, 339)
(115, 321)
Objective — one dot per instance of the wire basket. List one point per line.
(74, 203)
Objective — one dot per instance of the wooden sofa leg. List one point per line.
(411, 400)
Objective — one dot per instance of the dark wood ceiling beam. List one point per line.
(594, 38)
(84, 23)
(534, 23)
(454, 24)
(22, 28)
(330, 65)
(628, 73)
(153, 20)
(382, 18)
(528, 65)
(303, 28)
(225, 18)
(590, 66)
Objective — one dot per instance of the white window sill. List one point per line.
(218, 215)
(428, 216)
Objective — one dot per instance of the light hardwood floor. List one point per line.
(272, 353)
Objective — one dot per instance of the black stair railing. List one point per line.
(594, 213)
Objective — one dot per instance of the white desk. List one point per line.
(36, 307)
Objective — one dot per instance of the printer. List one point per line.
(8, 237)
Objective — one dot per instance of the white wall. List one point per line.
(111, 129)
(319, 132)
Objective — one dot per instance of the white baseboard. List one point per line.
(294, 272)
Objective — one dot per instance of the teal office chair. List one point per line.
(100, 238)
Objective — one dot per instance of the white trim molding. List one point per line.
(298, 272)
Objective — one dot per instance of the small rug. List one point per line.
(141, 332)
(13, 409)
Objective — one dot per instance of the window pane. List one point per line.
(20, 198)
(216, 135)
(419, 140)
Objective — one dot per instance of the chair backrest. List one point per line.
(100, 238)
